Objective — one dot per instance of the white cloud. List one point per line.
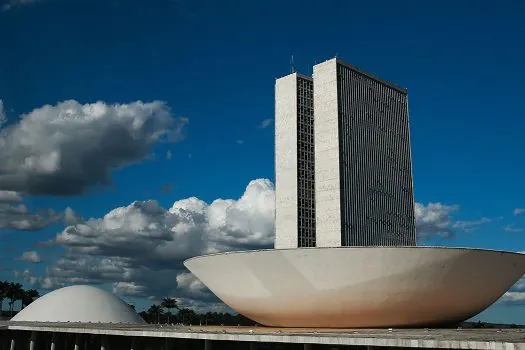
(14, 214)
(28, 277)
(67, 148)
(519, 211)
(31, 256)
(188, 281)
(70, 217)
(10, 197)
(266, 123)
(434, 219)
(240, 142)
(513, 297)
(168, 155)
(128, 289)
(13, 3)
(512, 228)
(468, 226)
(140, 247)
(203, 306)
(516, 295)
(3, 117)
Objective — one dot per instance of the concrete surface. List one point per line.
(504, 339)
(326, 131)
(286, 195)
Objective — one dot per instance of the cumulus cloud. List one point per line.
(14, 3)
(468, 226)
(139, 248)
(31, 257)
(516, 295)
(3, 117)
(29, 278)
(66, 148)
(191, 283)
(14, 214)
(128, 289)
(512, 228)
(519, 211)
(71, 217)
(513, 297)
(10, 197)
(434, 219)
(265, 123)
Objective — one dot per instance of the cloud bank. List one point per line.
(14, 214)
(15, 3)
(139, 248)
(31, 257)
(69, 147)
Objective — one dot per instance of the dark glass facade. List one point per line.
(377, 201)
(305, 163)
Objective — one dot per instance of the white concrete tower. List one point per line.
(363, 168)
(294, 163)
(326, 135)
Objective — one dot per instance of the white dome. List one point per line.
(79, 304)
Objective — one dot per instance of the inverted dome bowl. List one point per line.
(356, 287)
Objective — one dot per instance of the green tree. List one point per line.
(156, 311)
(14, 293)
(29, 296)
(188, 315)
(4, 287)
(145, 316)
(169, 303)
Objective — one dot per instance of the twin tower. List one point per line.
(343, 168)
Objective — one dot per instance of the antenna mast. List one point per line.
(292, 65)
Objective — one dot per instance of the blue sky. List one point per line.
(214, 63)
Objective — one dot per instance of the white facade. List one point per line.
(326, 130)
(366, 287)
(79, 304)
(286, 196)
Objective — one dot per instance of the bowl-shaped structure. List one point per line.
(351, 287)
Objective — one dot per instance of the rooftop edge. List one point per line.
(368, 75)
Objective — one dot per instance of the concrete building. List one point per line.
(294, 160)
(351, 143)
(363, 169)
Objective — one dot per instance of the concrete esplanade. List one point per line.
(58, 336)
(80, 322)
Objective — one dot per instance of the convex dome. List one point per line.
(79, 304)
